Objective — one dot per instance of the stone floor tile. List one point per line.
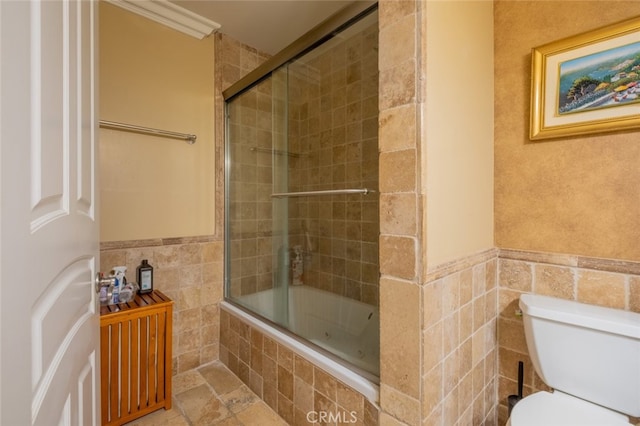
(201, 406)
(212, 396)
(239, 399)
(221, 379)
(185, 381)
(260, 414)
(161, 418)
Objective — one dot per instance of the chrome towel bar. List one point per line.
(274, 151)
(363, 191)
(189, 138)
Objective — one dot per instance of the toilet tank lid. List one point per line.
(610, 320)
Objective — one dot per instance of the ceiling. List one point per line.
(267, 25)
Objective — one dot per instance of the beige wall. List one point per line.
(153, 76)
(570, 195)
(458, 174)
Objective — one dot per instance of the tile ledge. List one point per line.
(586, 262)
(460, 264)
(155, 242)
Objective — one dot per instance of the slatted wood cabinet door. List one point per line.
(135, 356)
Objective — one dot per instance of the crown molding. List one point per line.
(171, 15)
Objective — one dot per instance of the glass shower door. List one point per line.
(280, 177)
(256, 226)
(302, 202)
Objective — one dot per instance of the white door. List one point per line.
(49, 324)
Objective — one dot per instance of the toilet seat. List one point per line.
(560, 409)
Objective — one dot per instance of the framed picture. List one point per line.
(588, 83)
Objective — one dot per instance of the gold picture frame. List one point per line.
(587, 83)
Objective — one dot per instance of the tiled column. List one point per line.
(401, 245)
(438, 321)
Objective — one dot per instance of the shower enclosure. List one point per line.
(302, 201)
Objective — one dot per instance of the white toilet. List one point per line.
(589, 355)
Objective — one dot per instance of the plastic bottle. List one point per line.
(115, 293)
(297, 266)
(144, 274)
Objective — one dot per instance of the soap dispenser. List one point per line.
(145, 277)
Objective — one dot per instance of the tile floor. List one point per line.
(212, 395)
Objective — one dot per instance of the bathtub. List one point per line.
(344, 327)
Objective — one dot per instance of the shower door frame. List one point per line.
(314, 38)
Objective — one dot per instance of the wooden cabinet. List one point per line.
(135, 357)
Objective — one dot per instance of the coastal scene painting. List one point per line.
(601, 80)
(587, 83)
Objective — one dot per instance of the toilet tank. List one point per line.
(590, 352)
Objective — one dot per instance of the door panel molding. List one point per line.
(49, 112)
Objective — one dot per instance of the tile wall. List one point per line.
(400, 243)
(250, 183)
(330, 143)
(603, 282)
(460, 335)
(288, 383)
(438, 322)
(456, 321)
(335, 138)
(190, 272)
(251, 128)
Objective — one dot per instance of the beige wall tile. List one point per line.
(601, 288)
(465, 409)
(451, 333)
(399, 405)
(325, 384)
(303, 369)
(398, 42)
(515, 275)
(478, 346)
(491, 304)
(398, 171)
(397, 128)
(388, 420)
(450, 294)
(634, 294)
(433, 337)
(468, 341)
(479, 280)
(285, 382)
(556, 281)
(451, 372)
(450, 408)
(398, 256)
(392, 11)
(398, 214)
(511, 335)
(432, 302)
(400, 335)
(466, 321)
(350, 400)
(397, 86)
(509, 366)
(508, 303)
(479, 312)
(491, 271)
(466, 285)
(435, 418)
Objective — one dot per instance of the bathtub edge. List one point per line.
(369, 390)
